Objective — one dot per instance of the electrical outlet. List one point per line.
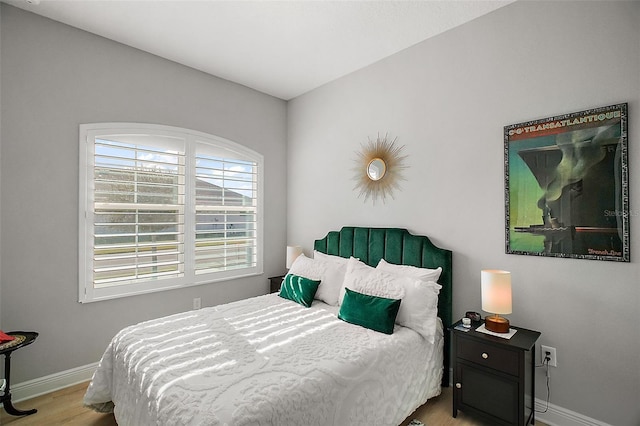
(553, 361)
(197, 303)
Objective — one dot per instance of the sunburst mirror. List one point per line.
(379, 168)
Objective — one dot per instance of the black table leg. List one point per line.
(10, 409)
(6, 396)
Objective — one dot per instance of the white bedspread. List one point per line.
(264, 361)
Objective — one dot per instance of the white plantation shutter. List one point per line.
(139, 201)
(226, 212)
(163, 207)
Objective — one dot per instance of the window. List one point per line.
(163, 207)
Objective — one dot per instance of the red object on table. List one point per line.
(5, 337)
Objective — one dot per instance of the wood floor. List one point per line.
(64, 407)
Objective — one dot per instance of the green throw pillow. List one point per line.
(375, 313)
(299, 289)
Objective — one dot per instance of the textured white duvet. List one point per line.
(264, 361)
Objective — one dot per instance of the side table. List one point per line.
(275, 283)
(492, 375)
(22, 338)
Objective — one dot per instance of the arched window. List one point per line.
(163, 207)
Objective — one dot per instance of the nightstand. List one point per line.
(275, 283)
(492, 374)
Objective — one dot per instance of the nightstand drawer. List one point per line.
(488, 355)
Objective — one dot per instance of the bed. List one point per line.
(269, 360)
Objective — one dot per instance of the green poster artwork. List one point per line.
(566, 185)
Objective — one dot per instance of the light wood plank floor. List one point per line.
(64, 407)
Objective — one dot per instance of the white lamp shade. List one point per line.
(292, 254)
(496, 291)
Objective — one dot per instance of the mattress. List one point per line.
(264, 361)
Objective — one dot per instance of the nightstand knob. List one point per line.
(458, 385)
(485, 355)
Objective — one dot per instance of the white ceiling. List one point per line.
(283, 48)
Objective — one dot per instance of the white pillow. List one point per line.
(330, 258)
(419, 308)
(330, 274)
(365, 279)
(411, 271)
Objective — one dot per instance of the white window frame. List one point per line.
(88, 133)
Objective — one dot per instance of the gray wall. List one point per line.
(55, 77)
(447, 100)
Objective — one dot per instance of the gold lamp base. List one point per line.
(497, 324)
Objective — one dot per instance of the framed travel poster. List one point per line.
(567, 185)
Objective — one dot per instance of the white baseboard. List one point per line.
(554, 416)
(559, 416)
(36, 387)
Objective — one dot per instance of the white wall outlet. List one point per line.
(553, 361)
(197, 303)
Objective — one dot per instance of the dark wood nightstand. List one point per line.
(490, 375)
(275, 283)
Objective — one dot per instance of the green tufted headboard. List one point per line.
(397, 245)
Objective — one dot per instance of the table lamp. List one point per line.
(496, 299)
(292, 254)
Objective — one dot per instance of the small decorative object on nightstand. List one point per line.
(496, 299)
(275, 283)
(490, 375)
(292, 254)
